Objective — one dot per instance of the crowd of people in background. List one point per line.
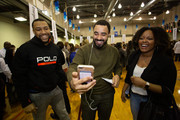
(69, 51)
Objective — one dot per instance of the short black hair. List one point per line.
(39, 19)
(103, 22)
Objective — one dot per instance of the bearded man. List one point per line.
(97, 95)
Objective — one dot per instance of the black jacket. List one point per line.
(36, 68)
(161, 71)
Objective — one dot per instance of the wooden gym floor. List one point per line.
(120, 111)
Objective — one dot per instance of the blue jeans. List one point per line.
(135, 101)
(53, 98)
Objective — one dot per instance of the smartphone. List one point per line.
(85, 71)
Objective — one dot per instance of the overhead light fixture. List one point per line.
(113, 9)
(109, 17)
(149, 13)
(167, 12)
(113, 14)
(94, 20)
(154, 17)
(125, 19)
(74, 8)
(131, 14)
(142, 4)
(110, 20)
(80, 22)
(20, 18)
(119, 6)
(95, 15)
(140, 18)
(77, 16)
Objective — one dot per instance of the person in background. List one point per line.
(4, 72)
(7, 45)
(76, 47)
(65, 65)
(66, 49)
(150, 70)
(122, 54)
(37, 71)
(62, 85)
(9, 83)
(72, 52)
(84, 42)
(96, 95)
(177, 51)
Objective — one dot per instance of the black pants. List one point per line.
(2, 98)
(103, 103)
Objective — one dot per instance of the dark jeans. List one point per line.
(177, 56)
(104, 104)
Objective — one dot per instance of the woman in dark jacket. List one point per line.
(150, 69)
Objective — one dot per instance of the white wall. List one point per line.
(16, 33)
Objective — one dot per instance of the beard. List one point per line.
(99, 46)
(46, 39)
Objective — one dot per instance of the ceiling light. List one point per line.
(167, 12)
(95, 15)
(113, 9)
(140, 18)
(178, 91)
(142, 4)
(131, 14)
(108, 16)
(20, 18)
(94, 20)
(80, 22)
(125, 19)
(113, 14)
(149, 13)
(110, 20)
(77, 16)
(74, 8)
(154, 17)
(119, 6)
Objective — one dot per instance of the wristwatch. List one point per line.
(147, 85)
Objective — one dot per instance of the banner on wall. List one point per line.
(33, 14)
(65, 17)
(70, 24)
(73, 26)
(66, 34)
(174, 33)
(163, 22)
(149, 25)
(78, 29)
(112, 39)
(176, 18)
(124, 38)
(114, 28)
(115, 33)
(54, 31)
(89, 29)
(125, 27)
(56, 4)
(136, 27)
